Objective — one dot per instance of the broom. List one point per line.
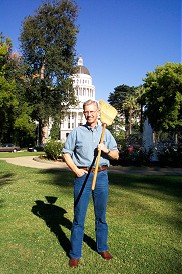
(107, 115)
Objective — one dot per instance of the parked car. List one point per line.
(9, 147)
(36, 148)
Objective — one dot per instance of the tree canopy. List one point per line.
(48, 40)
(163, 97)
(14, 113)
(124, 99)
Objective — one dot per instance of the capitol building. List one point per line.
(84, 90)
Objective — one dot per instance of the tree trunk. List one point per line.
(130, 128)
(176, 138)
(44, 128)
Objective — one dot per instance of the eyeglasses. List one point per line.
(90, 112)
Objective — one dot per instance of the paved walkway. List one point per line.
(35, 162)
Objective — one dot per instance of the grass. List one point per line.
(37, 210)
(19, 154)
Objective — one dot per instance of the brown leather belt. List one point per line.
(93, 169)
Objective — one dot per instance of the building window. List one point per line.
(80, 116)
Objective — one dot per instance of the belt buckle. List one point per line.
(99, 168)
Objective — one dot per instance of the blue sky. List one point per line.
(119, 40)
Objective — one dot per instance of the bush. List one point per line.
(133, 155)
(53, 149)
(170, 156)
(137, 156)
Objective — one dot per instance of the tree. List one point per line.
(55, 131)
(130, 104)
(163, 97)
(48, 39)
(8, 100)
(117, 130)
(140, 91)
(14, 111)
(124, 99)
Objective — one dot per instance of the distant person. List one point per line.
(80, 152)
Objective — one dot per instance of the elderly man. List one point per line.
(80, 152)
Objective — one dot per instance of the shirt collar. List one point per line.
(89, 128)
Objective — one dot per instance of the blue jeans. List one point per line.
(82, 194)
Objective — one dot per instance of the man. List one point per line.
(80, 152)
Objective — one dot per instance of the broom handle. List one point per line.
(98, 157)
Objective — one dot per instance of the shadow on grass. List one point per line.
(6, 179)
(164, 188)
(165, 184)
(154, 185)
(161, 188)
(59, 177)
(54, 218)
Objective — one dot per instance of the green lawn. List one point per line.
(37, 209)
(19, 154)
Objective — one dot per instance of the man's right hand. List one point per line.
(80, 172)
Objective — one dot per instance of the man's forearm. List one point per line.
(114, 154)
(79, 172)
(69, 162)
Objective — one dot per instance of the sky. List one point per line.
(120, 41)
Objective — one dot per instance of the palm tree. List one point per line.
(129, 105)
(140, 90)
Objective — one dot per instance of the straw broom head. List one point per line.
(107, 113)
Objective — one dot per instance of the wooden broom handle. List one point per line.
(98, 157)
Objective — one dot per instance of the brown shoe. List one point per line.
(106, 255)
(73, 262)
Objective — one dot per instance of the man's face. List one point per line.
(91, 113)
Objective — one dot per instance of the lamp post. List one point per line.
(37, 132)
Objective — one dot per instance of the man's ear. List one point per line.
(98, 113)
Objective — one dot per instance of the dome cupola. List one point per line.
(81, 69)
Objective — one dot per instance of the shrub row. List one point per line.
(138, 156)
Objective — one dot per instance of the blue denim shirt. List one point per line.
(82, 143)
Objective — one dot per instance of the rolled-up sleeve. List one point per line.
(110, 141)
(69, 145)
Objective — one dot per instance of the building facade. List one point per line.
(84, 90)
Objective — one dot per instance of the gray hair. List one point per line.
(90, 102)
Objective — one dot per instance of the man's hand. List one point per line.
(103, 148)
(114, 154)
(80, 172)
